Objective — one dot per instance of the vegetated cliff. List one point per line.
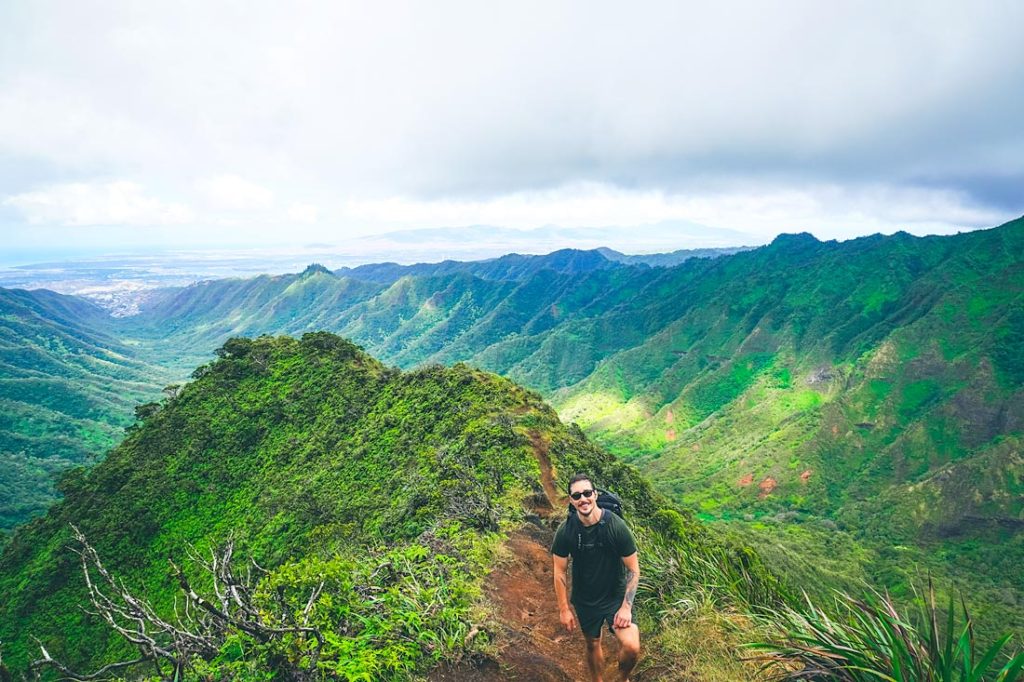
(394, 492)
(861, 401)
(67, 390)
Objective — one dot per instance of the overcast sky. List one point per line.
(195, 123)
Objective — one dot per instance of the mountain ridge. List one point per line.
(324, 465)
(787, 390)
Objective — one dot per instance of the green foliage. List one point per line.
(67, 387)
(322, 464)
(915, 395)
(384, 614)
(874, 385)
(1008, 340)
(869, 640)
(681, 568)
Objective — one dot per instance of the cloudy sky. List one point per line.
(192, 124)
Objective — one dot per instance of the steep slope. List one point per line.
(407, 314)
(67, 390)
(864, 394)
(394, 491)
(875, 385)
(180, 327)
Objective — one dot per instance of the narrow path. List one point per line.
(547, 476)
(532, 642)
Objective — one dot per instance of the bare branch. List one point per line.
(49, 661)
(201, 625)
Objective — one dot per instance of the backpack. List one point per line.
(608, 501)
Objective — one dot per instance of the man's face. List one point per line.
(584, 490)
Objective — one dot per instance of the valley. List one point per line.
(852, 409)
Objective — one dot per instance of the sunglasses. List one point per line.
(583, 493)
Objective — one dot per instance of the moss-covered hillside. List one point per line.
(392, 489)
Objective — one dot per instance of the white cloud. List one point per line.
(233, 193)
(305, 214)
(111, 203)
(826, 210)
(468, 113)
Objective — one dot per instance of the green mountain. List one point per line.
(865, 394)
(68, 353)
(396, 493)
(856, 404)
(181, 327)
(511, 267)
(67, 390)
(669, 259)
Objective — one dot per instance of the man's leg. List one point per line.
(629, 649)
(595, 657)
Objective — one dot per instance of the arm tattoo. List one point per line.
(631, 582)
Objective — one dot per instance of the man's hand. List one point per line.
(623, 617)
(568, 619)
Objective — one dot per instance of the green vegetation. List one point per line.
(284, 445)
(391, 489)
(887, 412)
(67, 390)
(855, 409)
(869, 640)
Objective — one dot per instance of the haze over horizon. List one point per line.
(130, 128)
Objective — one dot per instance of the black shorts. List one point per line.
(591, 619)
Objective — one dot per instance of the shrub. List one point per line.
(869, 640)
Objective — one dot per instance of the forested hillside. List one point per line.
(857, 404)
(67, 390)
(861, 403)
(372, 501)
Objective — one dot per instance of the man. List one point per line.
(605, 573)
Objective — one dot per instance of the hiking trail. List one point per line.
(532, 643)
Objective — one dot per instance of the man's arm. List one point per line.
(624, 616)
(565, 614)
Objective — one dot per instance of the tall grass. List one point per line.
(694, 600)
(677, 569)
(869, 640)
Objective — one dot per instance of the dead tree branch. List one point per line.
(200, 626)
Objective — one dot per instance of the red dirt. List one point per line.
(746, 480)
(531, 641)
(767, 486)
(547, 473)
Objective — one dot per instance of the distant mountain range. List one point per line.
(474, 242)
(120, 282)
(858, 403)
(516, 267)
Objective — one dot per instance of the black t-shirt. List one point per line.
(598, 575)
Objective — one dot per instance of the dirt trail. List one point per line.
(547, 476)
(533, 644)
